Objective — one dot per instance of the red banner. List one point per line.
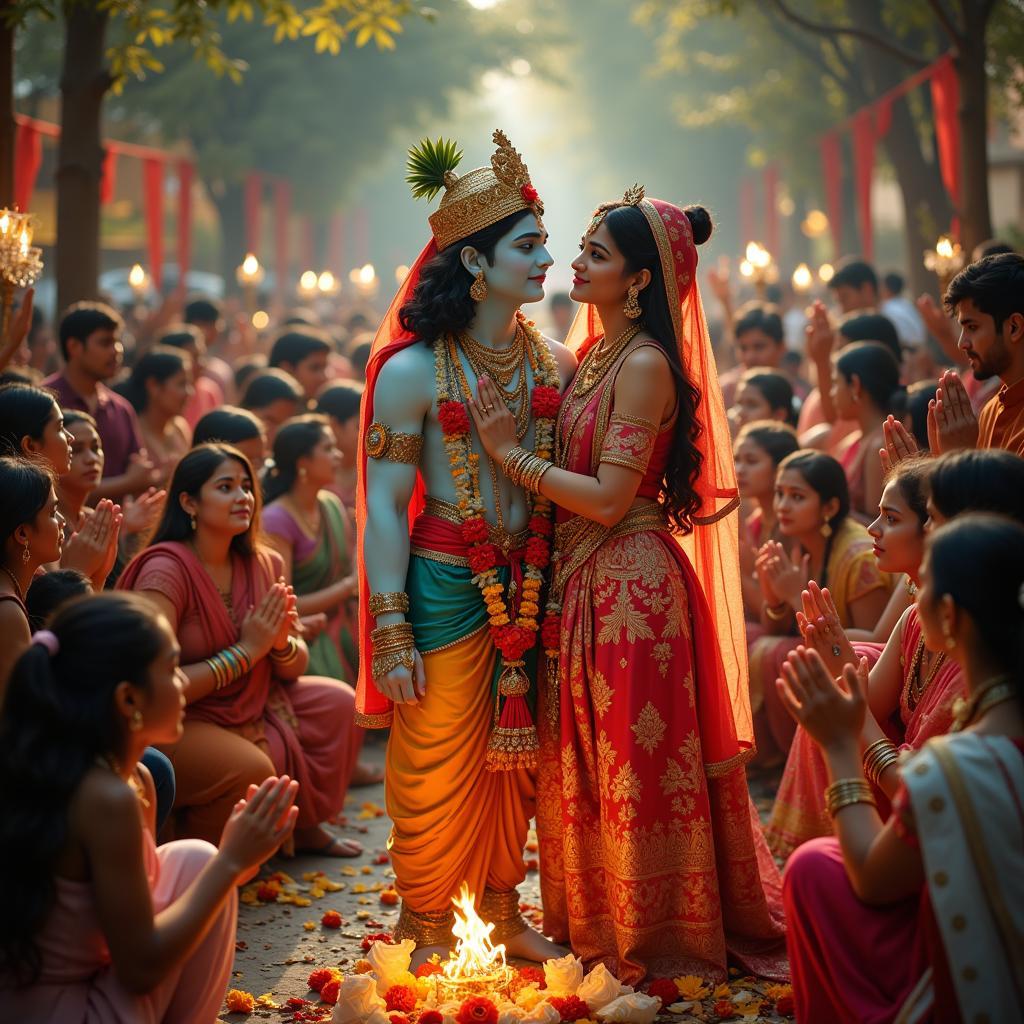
(185, 175)
(108, 177)
(336, 245)
(282, 211)
(945, 101)
(308, 255)
(832, 174)
(771, 210)
(863, 172)
(28, 155)
(153, 209)
(251, 213)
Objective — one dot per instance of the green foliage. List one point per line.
(429, 162)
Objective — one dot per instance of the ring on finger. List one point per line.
(836, 650)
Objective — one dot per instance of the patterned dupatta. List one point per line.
(712, 547)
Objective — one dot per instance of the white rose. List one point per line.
(634, 1008)
(511, 1015)
(357, 1001)
(542, 1013)
(450, 1011)
(563, 976)
(600, 987)
(391, 963)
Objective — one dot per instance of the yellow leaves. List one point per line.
(377, 22)
(286, 21)
(692, 987)
(309, 926)
(329, 34)
(239, 9)
(266, 1002)
(723, 991)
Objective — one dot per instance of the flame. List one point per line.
(250, 265)
(757, 255)
(308, 281)
(944, 247)
(826, 272)
(476, 958)
(5, 223)
(137, 276)
(802, 278)
(326, 281)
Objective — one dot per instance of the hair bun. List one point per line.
(700, 222)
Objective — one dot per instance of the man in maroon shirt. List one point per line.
(91, 345)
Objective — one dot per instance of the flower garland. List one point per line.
(514, 742)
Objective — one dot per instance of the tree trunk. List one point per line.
(7, 129)
(84, 83)
(975, 212)
(229, 198)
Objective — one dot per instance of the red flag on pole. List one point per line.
(185, 175)
(832, 176)
(253, 194)
(945, 101)
(153, 207)
(28, 155)
(863, 172)
(282, 211)
(771, 209)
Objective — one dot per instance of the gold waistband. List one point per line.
(445, 510)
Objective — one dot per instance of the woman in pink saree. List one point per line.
(252, 712)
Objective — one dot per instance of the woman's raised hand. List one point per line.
(833, 717)
(258, 825)
(92, 550)
(783, 578)
(494, 423)
(264, 623)
(821, 629)
(143, 513)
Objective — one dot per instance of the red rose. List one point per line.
(329, 993)
(268, 892)
(401, 998)
(724, 1009)
(474, 530)
(665, 990)
(785, 1007)
(541, 525)
(398, 1018)
(431, 1017)
(482, 558)
(369, 940)
(331, 919)
(477, 1010)
(546, 401)
(319, 978)
(533, 976)
(427, 970)
(453, 418)
(529, 193)
(538, 552)
(570, 1008)
(551, 632)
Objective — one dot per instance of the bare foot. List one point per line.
(366, 774)
(531, 945)
(423, 953)
(319, 842)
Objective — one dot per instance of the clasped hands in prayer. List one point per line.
(270, 623)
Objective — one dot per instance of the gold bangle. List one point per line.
(879, 756)
(289, 654)
(396, 634)
(846, 792)
(394, 601)
(387, 661)
(773, 613)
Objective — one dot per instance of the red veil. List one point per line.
(372, 709)
(713, 545)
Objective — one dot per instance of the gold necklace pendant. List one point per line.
(500, 364)
(600, 358)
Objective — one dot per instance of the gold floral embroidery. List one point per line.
(624, 616)
(605, 762)
(629, 442)
(683, 778)
(662, 654)
(600, 694)
(627, 784)
(570, 773)
(649, 728)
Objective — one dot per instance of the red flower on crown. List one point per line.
(529, 193)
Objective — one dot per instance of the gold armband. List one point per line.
(382, 442)
(381, 604)
(629, 441)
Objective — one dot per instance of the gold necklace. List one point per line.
(516, 401)
(17, 585)
(996, 691)
(136, 787)
(914, 688)
(600, 357)
(500, 364)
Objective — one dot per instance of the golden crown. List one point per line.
(477, 199)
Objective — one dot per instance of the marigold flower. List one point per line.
(477, 1010)
(664, 989)
(238, 1001)
(533, 976)
(389, 898)
(474, 530)
(724, 1009)
(318, 978)
(483, 557)
(363, 967)
(545, 401)
(570, 1008)
(431, 1017)
(369, 940)
(268, 892)
(529, 193)
(692, 988)
(331, 919)
(329, 993)
(427, 970)
(784, 1006)
(538, 552)
(398, 1018)
(401, 998)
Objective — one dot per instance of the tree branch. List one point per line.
(826, 29)
(844, 80)
(946, 21)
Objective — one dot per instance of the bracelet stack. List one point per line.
(846, 792)
(525, 469)
(382, 604)
(285, 657)
(879, 756)
(228, 665)
(777, 612)
(392, 646)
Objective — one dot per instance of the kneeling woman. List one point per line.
(650, 862)
(249, 706)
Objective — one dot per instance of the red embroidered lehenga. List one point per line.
(652, 857)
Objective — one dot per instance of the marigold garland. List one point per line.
(401, 998)
(512, 637)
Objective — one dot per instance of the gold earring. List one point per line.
(192, 521)
(632, 307)
(826, 529)
(302, 472)
(26, 555)
(135, 722)
(478, 289)
(950, 642)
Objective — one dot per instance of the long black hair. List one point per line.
(978, 480)
(25, 485)
(990, 548)
(876, 369)
(295, 440)
(24, 412)
(775, 388)
(160, 363)
(194, 469)
(911, 477)
(440, 303)
(826, 477)
(776, 439)
(634, 239)
(227, 424)
(58, 718)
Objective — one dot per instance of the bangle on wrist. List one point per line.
(846, 792)
(381, 604)
(777, 612)
(879, 756)
(282, 656)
